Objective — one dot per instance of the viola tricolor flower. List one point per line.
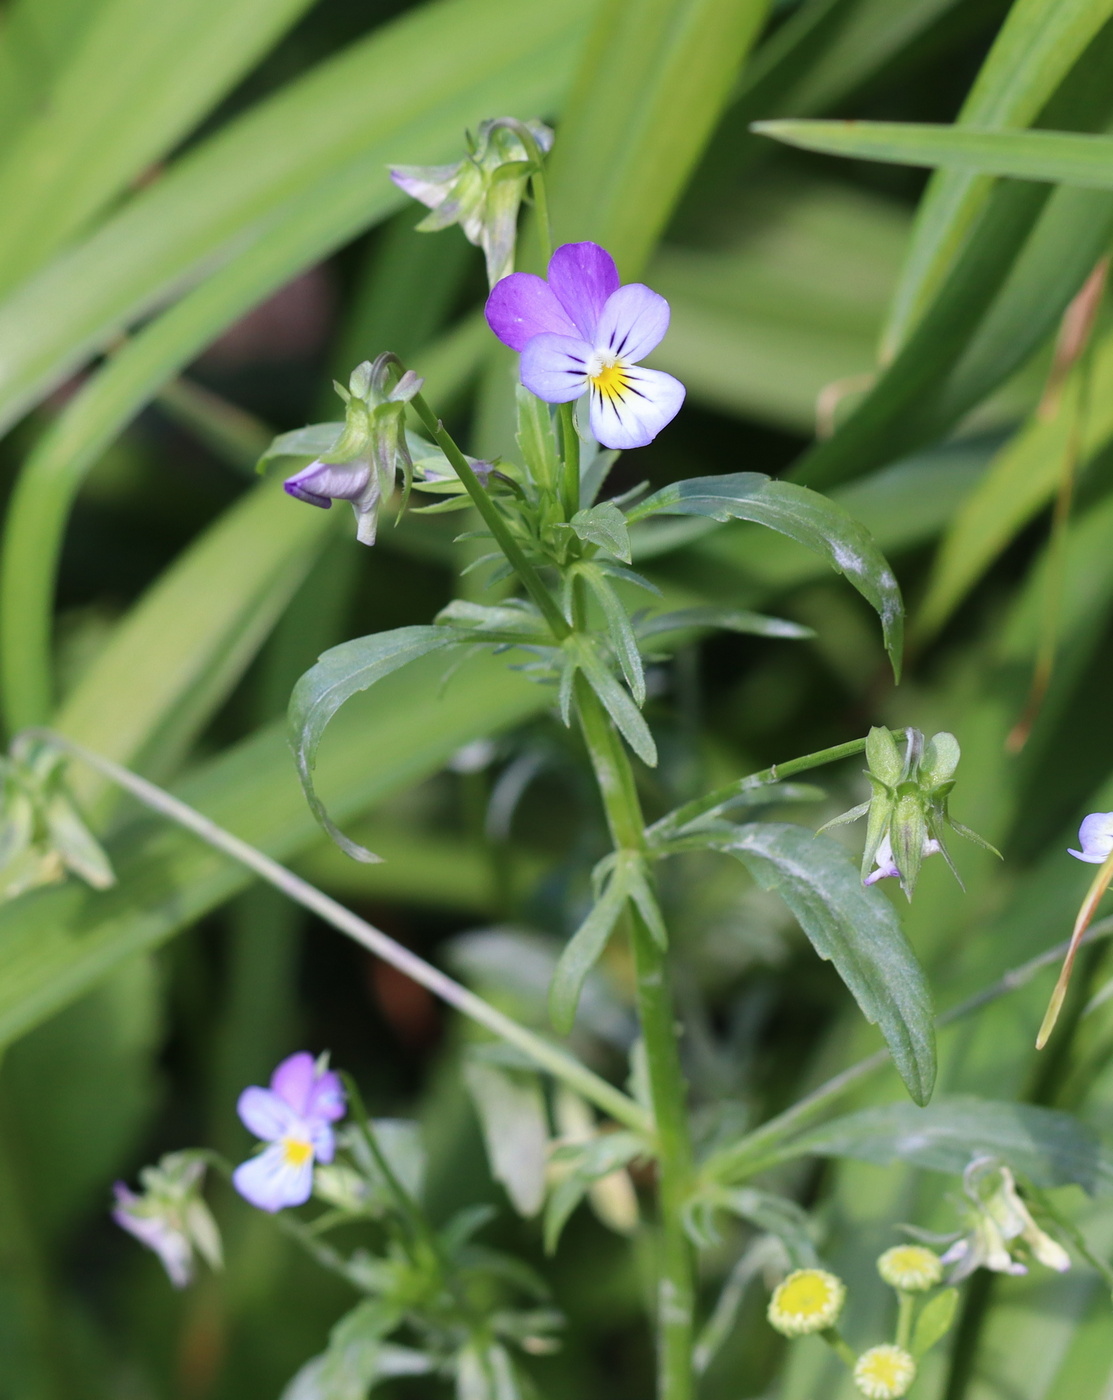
(580, 333)
(1095, 836)
(170, 1217)
(295, 1115)
(809, 1300)
(321, 483)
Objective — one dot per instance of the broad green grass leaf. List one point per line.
(139, 79)
(55, 946)
(653, 82)
(340, 673)
(1034, 51)
(1048, 1147)
(180, 649)
(405, 93)
(1061, 157)
(762, 327)
(805, 516)
(1021, 481)
(856, 929)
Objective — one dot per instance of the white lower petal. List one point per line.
(554, 367)
(271, 1181)
(634, 412)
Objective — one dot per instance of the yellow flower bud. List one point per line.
(885, 1372)
(910, 1267)
(809, 1300)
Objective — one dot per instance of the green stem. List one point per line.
(570, 449)
(492, 518)
(713, 802)
(906, 1309)
(676, 1282)
(549, 1057)
(838, 1343)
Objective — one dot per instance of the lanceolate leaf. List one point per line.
(803, 515)
(584, 950)
(1061, 157)
(1048, 1147)
(856, 929)
(337, 676)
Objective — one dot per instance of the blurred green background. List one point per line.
(198, 234)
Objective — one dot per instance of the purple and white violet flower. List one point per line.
(1095, 836)
(170, 1216)
(295, 1115)
(580, 333)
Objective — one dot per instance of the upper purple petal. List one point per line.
(293, 1081)
(583, 276)
(632, 323)
(265, 1114)
(522, 306)
(554, 367)
(326, 1098)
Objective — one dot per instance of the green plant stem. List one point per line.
(498, 527)
(570, 450)
(906, 1309)
(712, 802)
(762, 1148)
(676, 1282)
(839, 1345)
(547, 1056)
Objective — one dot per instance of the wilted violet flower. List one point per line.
(295, 1115)
(885, 864)
(580, 332)
(170, 1217)
(481, 193)
(363, 464)
(1095, 836)
(999, 1221)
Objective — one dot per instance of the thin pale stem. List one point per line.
(721, 798)
(498, 527)
(676, 1281)
(549, 1057)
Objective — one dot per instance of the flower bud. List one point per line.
(170, 1216)
(809, 1300)
(884, 1372)
(910, 1267)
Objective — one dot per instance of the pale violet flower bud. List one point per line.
(170, 1216)
(908, 812)
(1000, 1226)
(363, 464)
(483, 192)
(1095, 836)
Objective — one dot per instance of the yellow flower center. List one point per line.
(610, 379)
(296, 1152)
(910, 1267)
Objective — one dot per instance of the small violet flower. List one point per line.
(481, 193)
(1000, 1223)
(370, 450)
(1095, 836)
(295, 1115)
(580, 332)
(885, 865)
(170, 1217)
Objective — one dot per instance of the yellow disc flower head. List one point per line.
(910, 1267)
(809, 1300)
(885, 1372)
